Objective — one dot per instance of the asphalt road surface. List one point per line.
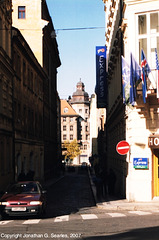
(72, 214)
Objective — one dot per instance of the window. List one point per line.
(148, 36)
(64, 137)
(24, 73)
(71, 128)
(21, 12)
(86, 110)
(80, 110)
(65, 110)
(71, 119)
(64, 119)
(87, 137)
(85, 147)
(64, 128)
(71, 137)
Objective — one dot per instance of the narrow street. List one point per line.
(72, 214)
(70, 194)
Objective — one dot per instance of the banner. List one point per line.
(125, 80)
(157, 69)
(101, 79)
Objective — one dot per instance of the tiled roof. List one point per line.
(66, 109)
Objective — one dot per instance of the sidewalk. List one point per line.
(112, 203)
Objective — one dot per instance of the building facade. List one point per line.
(69, 125)
(97, 132)
(81, 104)
(35, 24)
(130, 27)
(6, 96)
(28, 98)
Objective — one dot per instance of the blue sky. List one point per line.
(77, 47)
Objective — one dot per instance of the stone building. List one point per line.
(6, 96)
(81, 104)
(130, 27)
(28, 96)
(35, 24)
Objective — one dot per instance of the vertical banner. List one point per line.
(101, 79)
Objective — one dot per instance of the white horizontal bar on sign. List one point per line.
(123, 147)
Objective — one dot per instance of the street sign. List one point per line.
(140, 163)
(123, 147)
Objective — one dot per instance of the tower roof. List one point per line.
(80, 95)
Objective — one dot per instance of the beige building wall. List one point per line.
(32, 26)
(134, 124)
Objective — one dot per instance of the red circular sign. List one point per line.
(123, 147)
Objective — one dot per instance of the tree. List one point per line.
(72, 149)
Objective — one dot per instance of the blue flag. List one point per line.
(125, 80)
(157, 69)
(144, 74)
(135, 76)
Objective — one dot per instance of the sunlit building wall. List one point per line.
(131, 26)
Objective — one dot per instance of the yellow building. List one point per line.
(28, 17)
(130, 27)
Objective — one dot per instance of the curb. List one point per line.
(119, 205)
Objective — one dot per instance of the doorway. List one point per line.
(155, 173)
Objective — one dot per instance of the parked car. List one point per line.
(23, 199)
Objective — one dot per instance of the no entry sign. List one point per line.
(123, 147)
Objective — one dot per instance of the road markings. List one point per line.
(31, 221)
(116, 214)
(88, 216)
(5, 222)
(64, 218)
(140, 212)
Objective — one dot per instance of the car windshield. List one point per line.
(23, 188)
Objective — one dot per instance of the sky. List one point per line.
(77, 47)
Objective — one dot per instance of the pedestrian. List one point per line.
(111, 182)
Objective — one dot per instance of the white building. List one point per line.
(130, 27)
(81, 104)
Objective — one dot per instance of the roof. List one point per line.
(66, 109)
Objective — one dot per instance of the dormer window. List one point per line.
(65, 110)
